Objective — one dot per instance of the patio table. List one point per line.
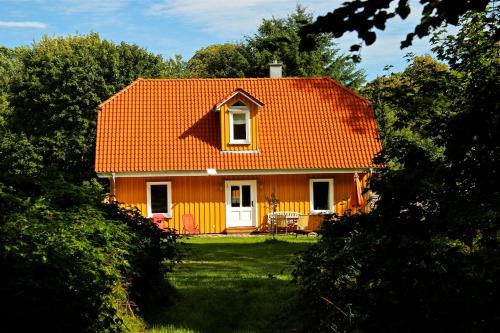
(290, 219)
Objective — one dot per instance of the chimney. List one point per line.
(275, 69)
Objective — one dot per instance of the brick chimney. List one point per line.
(275, 69)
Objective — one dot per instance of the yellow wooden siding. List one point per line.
(204, 197)
(224, 125)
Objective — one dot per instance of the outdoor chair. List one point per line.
(159, 220)
(281, 222)
(189, 226)
(302, 226)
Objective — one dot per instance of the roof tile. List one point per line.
(170, 124)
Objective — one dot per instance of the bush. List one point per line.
(427, 259)
(368, 276)
(70, 263)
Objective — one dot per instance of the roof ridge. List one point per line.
(235, 78)
(127, 87)
(352, 92)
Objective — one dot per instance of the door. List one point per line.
(241, 203)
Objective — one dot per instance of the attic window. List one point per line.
(239, 123)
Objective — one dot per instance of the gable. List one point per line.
(242, 104)
(304, 123)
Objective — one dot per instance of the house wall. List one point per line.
(224, 125)
(204, 196)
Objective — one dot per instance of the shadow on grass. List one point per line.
(230, 287)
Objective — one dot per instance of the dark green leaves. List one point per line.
(364, 16)
(426, 259)
(75, 263)
(62, 81)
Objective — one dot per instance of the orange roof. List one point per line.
(171, 125)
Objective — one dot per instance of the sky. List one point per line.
(170, 27)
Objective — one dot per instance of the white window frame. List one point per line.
(239, 110)
(330, 195)
(169, 198)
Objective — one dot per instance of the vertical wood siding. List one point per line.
(204, 197)
(224, 125)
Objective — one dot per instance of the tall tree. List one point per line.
(10, 68)
(413, 102)
(219, 60)
(176, 68)
(427, 258)
(279, 39)
(63, 80)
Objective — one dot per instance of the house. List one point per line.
(217, 148)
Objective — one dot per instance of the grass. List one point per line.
(233, 284)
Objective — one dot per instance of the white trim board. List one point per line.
(236, 93)
(169, 198)
(254, 207)
(250, 172)
(246, 113)
(331, 201)
(240, 151)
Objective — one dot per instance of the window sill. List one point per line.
(239, 142)
(320, 212)
(166, 215)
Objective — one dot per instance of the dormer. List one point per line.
(239, 121)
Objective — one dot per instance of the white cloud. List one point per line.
(232, 19)
(23, 24)
(91, 6)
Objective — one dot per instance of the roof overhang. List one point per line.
(239, 92)
(213, 172)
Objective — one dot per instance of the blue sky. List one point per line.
(171, 27)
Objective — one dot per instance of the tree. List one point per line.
(62, 81)
(176, 68)
(427, 257)
(413, 102)
(219, 60)
(10, 68)
(363, 16)
(279, 39)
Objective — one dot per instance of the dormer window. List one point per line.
(239, 123)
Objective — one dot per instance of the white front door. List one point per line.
(241, 203)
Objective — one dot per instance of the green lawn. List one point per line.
(233, 284)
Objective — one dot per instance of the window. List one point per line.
(159, 198)
(239, 123)
(321, 195)
(241, 196)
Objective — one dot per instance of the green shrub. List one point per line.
(70, 263)
(368, 276)
(427, 258)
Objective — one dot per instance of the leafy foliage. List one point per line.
(413, 106)
(9, 70)
(176, 68)
(363, 16)
(62, 81)
(277, 39)
(70, 263)
(427, 258)
(224, 60)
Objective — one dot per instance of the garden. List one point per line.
(425, 259)
(233, 284)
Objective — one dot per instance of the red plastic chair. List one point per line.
(158, 219)
(189, 226)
